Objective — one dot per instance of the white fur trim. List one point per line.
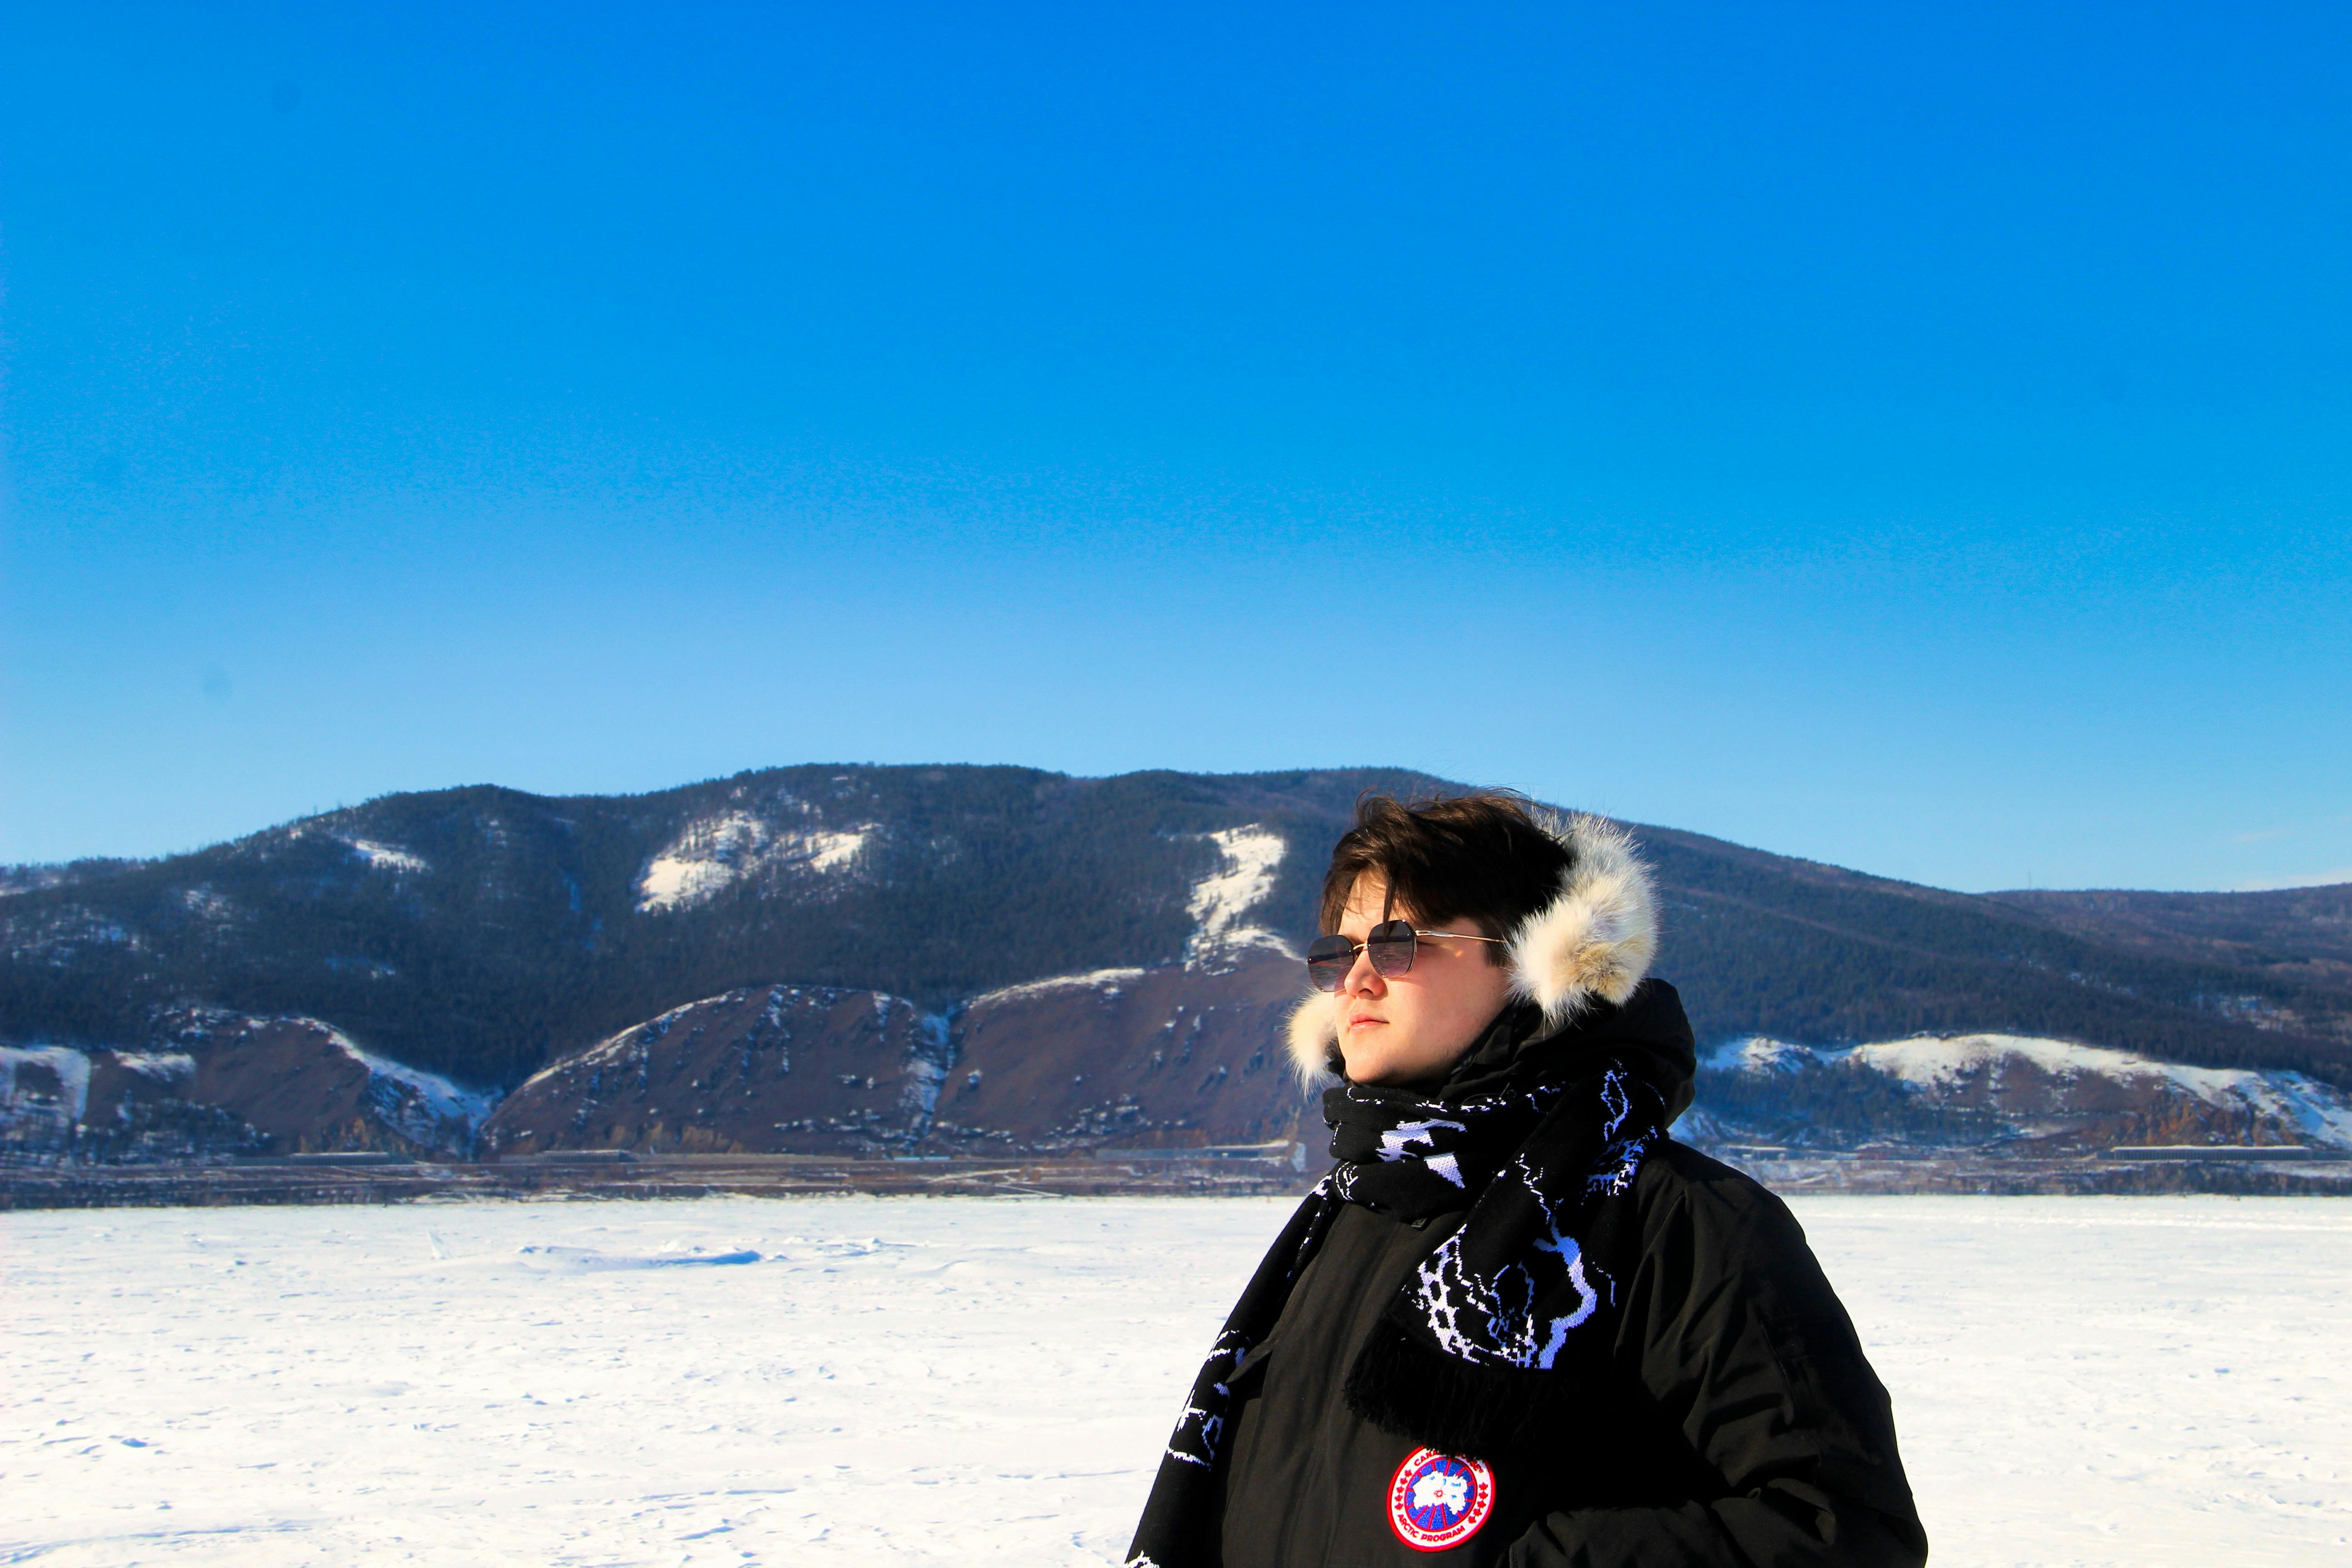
(1314, 1030)
(1598, 938)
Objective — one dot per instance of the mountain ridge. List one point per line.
(485, 934)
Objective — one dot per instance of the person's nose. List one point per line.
(1363, 980)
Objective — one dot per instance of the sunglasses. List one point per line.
(1390, 944)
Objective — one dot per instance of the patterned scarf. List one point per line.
(1502, 1325)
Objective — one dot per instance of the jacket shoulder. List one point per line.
(1720, 1252)
(1686, 1165)
(1720, 1204)
(1736, 1329)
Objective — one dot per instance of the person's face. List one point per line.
(1411, 1028)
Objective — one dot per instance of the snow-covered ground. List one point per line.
(2143, 1381)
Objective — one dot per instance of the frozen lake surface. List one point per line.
(2142, 1381)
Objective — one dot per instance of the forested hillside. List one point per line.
(484, 933)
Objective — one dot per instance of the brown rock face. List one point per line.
(221, 1084)
(288, 1079)
(770, 1069)
(1132, 1059)
(2065, 1107)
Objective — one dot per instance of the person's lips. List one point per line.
(1359, 1020)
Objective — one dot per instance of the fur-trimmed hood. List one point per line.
(1593, 942)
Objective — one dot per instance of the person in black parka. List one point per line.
(1517, 1323)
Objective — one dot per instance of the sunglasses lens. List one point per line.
(1391, 945)
(1329, 959)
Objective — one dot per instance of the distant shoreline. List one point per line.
(604, 1174)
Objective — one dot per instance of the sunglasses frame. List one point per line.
(1384, 942)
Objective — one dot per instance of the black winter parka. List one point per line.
(1747, 1430)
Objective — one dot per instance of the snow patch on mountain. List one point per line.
(372, 853)
(1698, 1125)
(1936, 1061)
(613, 1047)
(59, 935)
(206, 905)
(163, 1066)
(416, 1104)
(716, 852)
(704, 859)
(1222, 902)
(927, 1073)
(1109, 981)
(2322, 1114)
(24, 1103)
(1761, 1054)
(387, 856)
(17, 879)
(1935, 1065)
(831, 851)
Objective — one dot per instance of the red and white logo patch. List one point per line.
(1437, 1500)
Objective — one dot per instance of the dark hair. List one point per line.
(1480, 857)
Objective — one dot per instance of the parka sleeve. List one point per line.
(1743, 1349)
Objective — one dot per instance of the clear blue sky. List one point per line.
(1912, 437)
